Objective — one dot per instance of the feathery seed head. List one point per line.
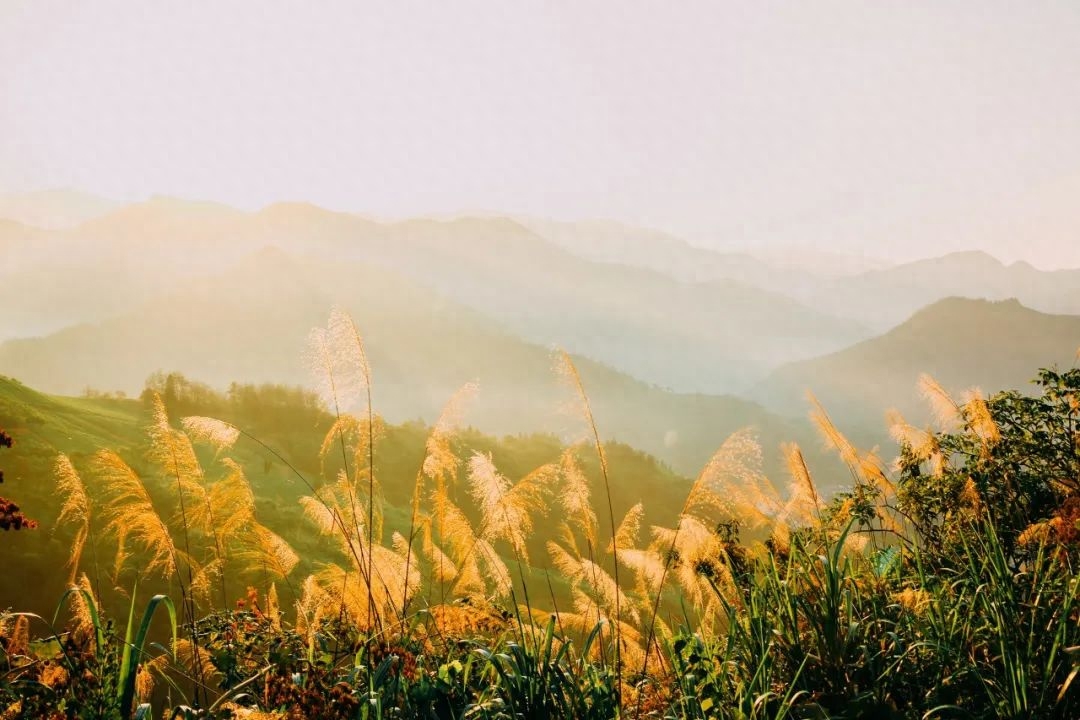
(947, 413)
(132, 515)
(217, 433)
(576, 497)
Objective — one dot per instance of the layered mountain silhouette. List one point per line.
(664, 331)
(56, 208)
(252, 323)
(713, 336)
(960, 342)
(875, 294)
(882, 298)
(615, 243)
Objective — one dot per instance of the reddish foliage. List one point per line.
(11, 517)
(1066, 522)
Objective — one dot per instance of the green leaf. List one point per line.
(133, 651)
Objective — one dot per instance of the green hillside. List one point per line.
(289, 421)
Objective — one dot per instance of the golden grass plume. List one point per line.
(132, 515)
(74, 509)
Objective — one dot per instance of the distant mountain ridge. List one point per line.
(51, 209)
(883, 298)
(712, 337)
(875, 294)
(640, 301)
(611, 242)
(996, 345)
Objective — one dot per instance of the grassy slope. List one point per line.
(43, 426)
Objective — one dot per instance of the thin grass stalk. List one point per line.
(218, 549)
(599, 610)
(188, 599)
(365, 369)
(524, 588)
(371, 478)
(587, 408)
(417, 485)
(65, 469)
(94, 554)
(554, 603)
(331, 378)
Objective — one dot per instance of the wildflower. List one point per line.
(54, 676)
(914, 600)
(970, 495)
(19, 642)
(253, 601)
(1035, 533)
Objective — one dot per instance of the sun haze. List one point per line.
(891, 131)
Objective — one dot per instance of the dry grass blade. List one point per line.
(465, 547)
(568, 370)
(799, 472)
(648, 568)
(440, 466)
(804, 504)
(722, 486)
(233, 500)
(310, 607)
(353, 377)
(440, 462)
(80, 612)
(171, 450)
(443, 568)
(202, 579)
(349, 355)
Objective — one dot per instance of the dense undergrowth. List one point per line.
(939, 586)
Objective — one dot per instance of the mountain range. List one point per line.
(713, 336)
(883, 298)
(677, 344)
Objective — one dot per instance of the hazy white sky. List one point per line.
(891, 128)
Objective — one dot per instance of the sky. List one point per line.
(893, 130)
